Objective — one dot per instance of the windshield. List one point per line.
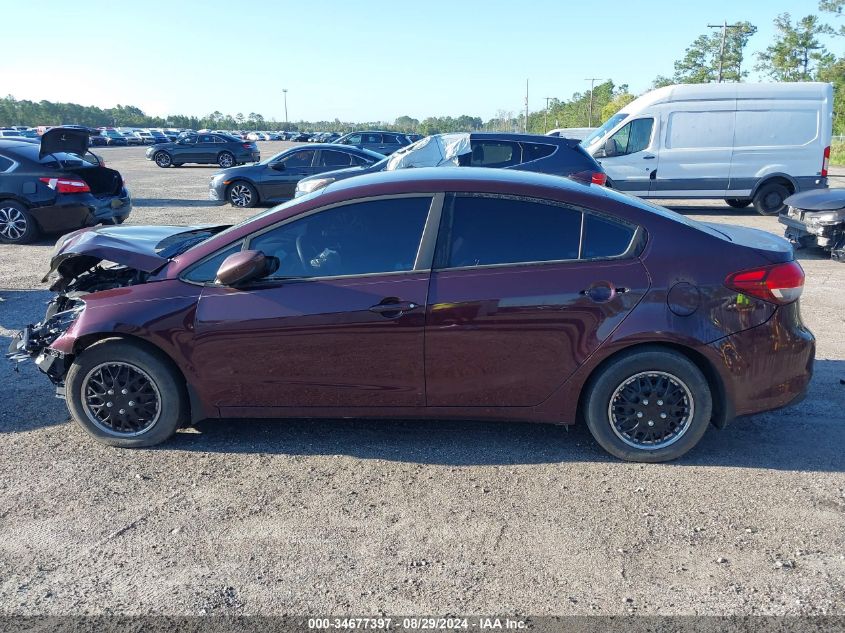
(599, 133)
(180, 242)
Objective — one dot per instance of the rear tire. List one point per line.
(124, 394)
(17, 226)
(769, 198)
(226, 160)
(651, 384)
(738, 203)
(163, 159)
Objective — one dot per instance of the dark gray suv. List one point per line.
(376, 141)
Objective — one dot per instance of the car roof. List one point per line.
(525, 138)
(468, 179)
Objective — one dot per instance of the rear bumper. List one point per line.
(766, 367)
(75, 211)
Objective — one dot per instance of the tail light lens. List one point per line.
(825, 161)
(249, 145)
(778, 283)
(594, 177)
(63, 185)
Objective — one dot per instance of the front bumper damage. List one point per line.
(34, 342)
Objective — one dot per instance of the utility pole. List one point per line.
(724, 26)
(592, 81)
(546, 116)
(285, 93)
(526, 107)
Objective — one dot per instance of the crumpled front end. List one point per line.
(817, 218)
(35, 340)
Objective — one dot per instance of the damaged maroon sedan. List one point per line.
(430, 293)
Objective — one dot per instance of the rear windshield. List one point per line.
(645, 205)
(56, 160)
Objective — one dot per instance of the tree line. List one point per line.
(795, 54)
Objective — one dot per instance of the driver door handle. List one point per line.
(392, 308)
(648, 157)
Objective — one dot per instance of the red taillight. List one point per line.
(778, 283)
(63, 185)
(248, 145)
(591, 177)
(825, 161)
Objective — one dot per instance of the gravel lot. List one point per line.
(414, 517)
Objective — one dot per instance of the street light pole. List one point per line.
(546, 116)
(592, 81)
(285, 93)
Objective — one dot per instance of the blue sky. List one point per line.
(364, 60)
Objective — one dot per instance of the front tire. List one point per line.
(226, 160)
(163, 159)
(649, 405)
(17, 226)
(242, 194)
(126, 395)
(769, 199)
(738, 203)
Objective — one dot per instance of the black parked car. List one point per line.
(159, 137)
(274, 179)
(545, 154)
(114, 138)
(300, 137)
(56, 185)
(206, 149)
(98, 140)
(376, 141)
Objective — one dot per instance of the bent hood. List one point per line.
(144, 248)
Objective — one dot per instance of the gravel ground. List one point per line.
(414, 517)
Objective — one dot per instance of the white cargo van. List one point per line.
(742, 142)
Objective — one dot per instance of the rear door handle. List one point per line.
(392, 308)
(648, 157)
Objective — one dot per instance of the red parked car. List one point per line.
(445, 293)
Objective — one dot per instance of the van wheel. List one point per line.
(17, 226)
(769, 199)
(738, 203)
(650, 405)
(163, 159)
(124, 394)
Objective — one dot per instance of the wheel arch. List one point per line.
(196, 411)
(722, 407)
(777, 177)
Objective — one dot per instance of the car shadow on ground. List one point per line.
(807, 436)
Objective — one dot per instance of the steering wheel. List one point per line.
(301, 247)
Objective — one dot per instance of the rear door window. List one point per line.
(484, 230)
(391, 138)
(329, 158)
(495, 154)
(604, 237)
(206, 138)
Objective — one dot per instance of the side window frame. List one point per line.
(444, 238)
(425, 248)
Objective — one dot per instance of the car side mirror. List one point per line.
(278, 166)
(244, 266)
(610, 147)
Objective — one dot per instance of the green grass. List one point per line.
(837, 153)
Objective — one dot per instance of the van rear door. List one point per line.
(695, 151)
